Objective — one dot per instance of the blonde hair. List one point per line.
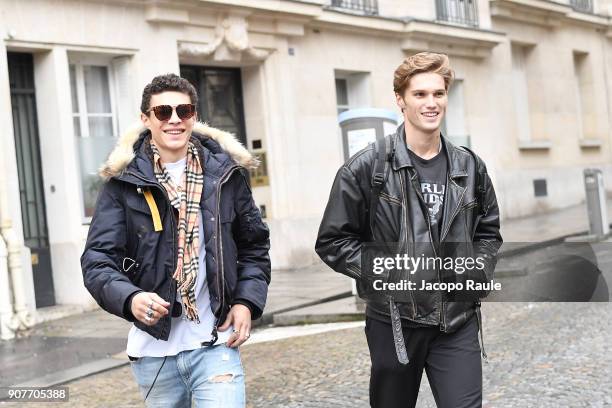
(421, 63)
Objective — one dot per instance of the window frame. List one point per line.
(80, 61)
(358, 89)
(460, 109)
(342, 108)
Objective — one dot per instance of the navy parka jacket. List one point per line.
(124, 253)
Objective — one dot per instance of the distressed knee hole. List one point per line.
(222, 378)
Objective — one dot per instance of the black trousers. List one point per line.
(452, 362)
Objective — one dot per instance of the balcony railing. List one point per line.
(463, 12)
(365, 6)
(582, 5)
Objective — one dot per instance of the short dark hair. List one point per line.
(167, 82)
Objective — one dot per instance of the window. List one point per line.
(582, 5)
(584, 96)
(454, 126)
(364, 6)
(352, 90)
(463, 12)
(341, 95)
(521, 92)
(95, 124)
(540, 188)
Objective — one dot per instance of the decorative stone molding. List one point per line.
(535, 145)
(451, 40)
(590, 143)
(231, 43)
(537, 12)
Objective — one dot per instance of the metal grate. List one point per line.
(582, 5)
(458, 11)
(540, 188)
(365, 6)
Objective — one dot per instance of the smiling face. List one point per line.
(424, 103)
(171, 137)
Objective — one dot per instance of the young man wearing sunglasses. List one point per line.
(177, 246)
(421, 195)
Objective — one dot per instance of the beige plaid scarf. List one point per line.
(186, 199)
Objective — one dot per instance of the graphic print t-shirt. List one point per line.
(432, 178)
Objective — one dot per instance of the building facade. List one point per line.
(531, 96)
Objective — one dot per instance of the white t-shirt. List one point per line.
(184, 334)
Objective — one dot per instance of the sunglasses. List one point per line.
(164, 112)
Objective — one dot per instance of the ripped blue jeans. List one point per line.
(210, 376)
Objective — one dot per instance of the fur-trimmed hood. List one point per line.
(123, 153)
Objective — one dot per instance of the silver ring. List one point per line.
(151, 305)
(148, 318)
(150, 313)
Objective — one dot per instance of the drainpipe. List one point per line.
(8, 321)
(14, 282)
(23, 318)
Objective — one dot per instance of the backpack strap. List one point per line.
(384, 151)
(481, 175)
(383, 155)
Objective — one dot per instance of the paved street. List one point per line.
(541, 355)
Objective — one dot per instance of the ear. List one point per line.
(400, 101)
(146, 121)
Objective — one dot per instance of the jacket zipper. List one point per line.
(174, 239)
(221, 284)
(442, 317)
(444, 233)
(404, 211)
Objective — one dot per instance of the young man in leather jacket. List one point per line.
(177, 246)
(433, 193)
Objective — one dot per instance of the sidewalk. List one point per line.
(62, 350)
(77, 346)
(550, 226)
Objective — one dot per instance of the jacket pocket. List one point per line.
(390, 199)
(469, 205)
(131, 268)
(139, 216)
(137, 203)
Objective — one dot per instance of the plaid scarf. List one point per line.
(186, 199)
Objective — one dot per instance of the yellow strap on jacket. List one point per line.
(157, 224)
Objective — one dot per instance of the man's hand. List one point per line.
(240, 317)
(148, 307)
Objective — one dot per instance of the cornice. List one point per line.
(451, 39)
(545, 13)
(538, 12)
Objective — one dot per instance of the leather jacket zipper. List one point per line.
(417, 188)
(404, 211)
(444, 233)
